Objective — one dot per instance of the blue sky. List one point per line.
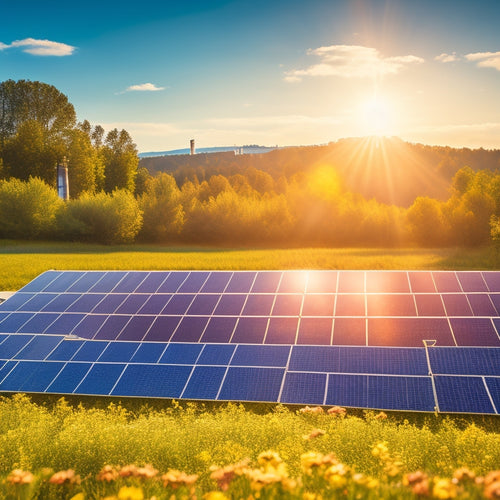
(267, 72)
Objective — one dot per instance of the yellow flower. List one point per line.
(176, 478)
(214, 495)
(130, 493)
(78, 496)
(444, 489)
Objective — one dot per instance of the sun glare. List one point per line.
(376, 117)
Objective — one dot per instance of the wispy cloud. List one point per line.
(37, 47)
(351, 61)
(485, 59)
(144, 87)
(447, 58)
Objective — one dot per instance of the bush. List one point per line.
(102, 218)
(28, 210)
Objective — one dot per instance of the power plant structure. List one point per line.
(191, 143)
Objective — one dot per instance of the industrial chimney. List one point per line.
(62, 180)
(192, 146)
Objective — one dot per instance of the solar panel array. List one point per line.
(419, 341)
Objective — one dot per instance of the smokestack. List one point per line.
(192, 146)
(62, 180)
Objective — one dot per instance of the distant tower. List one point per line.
(192, 146)
(62, 180)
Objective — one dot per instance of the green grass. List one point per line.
(21, 261)
(191, 438)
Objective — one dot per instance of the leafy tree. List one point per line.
(83, 161)
(428, 224)
(121, 161)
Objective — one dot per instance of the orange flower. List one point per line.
(337, 410)
(128, 470)
(414, 478)
(492, 490)
(108, 474)
(463, 474)
(381, 416)
(18, 476)
(314, 434)
(65, 476)
(176, 478)
(224, 475)
(315, 410)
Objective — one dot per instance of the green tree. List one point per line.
(428, 224)
(82, 163)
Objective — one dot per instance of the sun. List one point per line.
(376, 116)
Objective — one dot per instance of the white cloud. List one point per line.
(485, 59)
(37, 47)
(144, 87)
(447, 58)
(352, 61)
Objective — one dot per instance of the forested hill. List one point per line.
(387, 169)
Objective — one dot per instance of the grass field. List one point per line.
(21, 261)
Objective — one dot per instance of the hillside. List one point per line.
(387, 169)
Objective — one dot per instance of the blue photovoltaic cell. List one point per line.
(495, 299)
(64, 324)
(230, 305)
(61, 302)
(155, 304)
(465, 361)
(456, 305)
(250, 330)
(109, 304)
(108, 282)
(89, 325)
(14, 321)
(293, 282)
(492, 280)
(481, 304)
(318, 305)
(204, 382)
(216, 282)
(387, 282)
(131, 304)
(322, 282)
(89, 351)
(112, 327)
(38, 323)
(69, 377)
(178, 304)
(347, 390)
(266, 282)
(39, 348)
(219, 329)
(203, 305)
(474, 332)
(252, 384)
(261, 355)
(241, 282)
(40, 282)
(287, 305)
(88, 280)
(390, 305)
(190, 329)
(86, 303)
(130, 282)
(30, 376)
(173, 282)
(258, 305)
(38, 302)
(181, 354)
(15, 301)
(421, 282)
(162, 328)
(160, 381)
(304, 388)
(216, 354)
(65, 350)
(63, 281)
(281, 331)
(13, 344)
(315, 331)
(193, 282)
(119, 352)
(6, 369)
(446, 282)
(314, 359)
(472, 281)
(148, 352)
(462, 395)
(400, 393)
(152, 282)
(429, 305)
(100, 379)
(349, 331)
(494, 390)
(136, 328)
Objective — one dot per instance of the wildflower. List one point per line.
(336, 476)
(65, 476)
(421, 488)
(146, 472)
(130, 493)
(78, 496)
(269, 457)
(176, 478)
(380, 416)
(315, 410)
(492, 485)
(128, 471)
(337, 410)
(492, 477)
(214, 495)
(314, 434)
(381, 450)
(18, 476)
(108, 473)
(312, 460)
(224, 475)
(463, 475)
(414, 478)
(444, 489)
(260, 479)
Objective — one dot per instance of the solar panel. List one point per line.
(414, 341)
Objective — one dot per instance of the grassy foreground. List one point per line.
(21, 261)
(190, 451)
